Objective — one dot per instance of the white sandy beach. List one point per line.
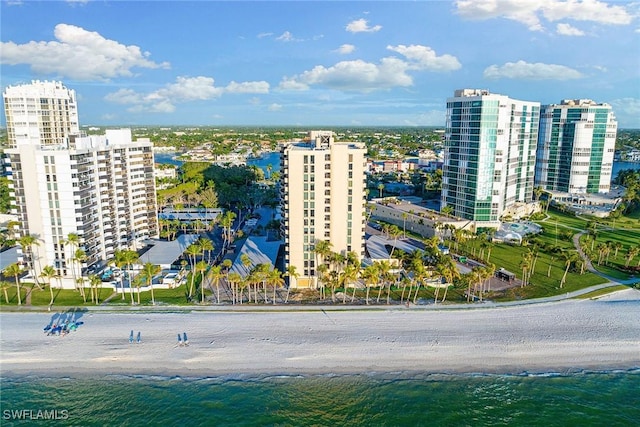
(564, 336)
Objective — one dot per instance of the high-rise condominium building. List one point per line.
(576, 144)
(323, 199)
(41, 113)
(99, 188)
(489, 156)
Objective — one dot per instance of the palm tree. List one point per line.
(73, 240)
(369, 275)
(234, 280)
(216, 275)
(15, 270)
(448, 269)
(226, 221)
(632, 252)
(292, 274)
(5, 286)
(380, 188)
(193, 250)
(126, 258)
(384, 271)
(322, 248)
(570, 257)
(79, 256)
(150, 270)
(349, 275)
(394, 232)
(201, 267)
(48, 273)
(206, 245)
(95, 281)
(27, 243)
(275, 279)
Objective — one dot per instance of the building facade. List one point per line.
(489, 155)
(323, 198)
(98, 188)
(576, 145)
(40, 113)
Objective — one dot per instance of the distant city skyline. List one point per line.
(360, 63)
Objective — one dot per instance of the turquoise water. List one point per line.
(583, 399)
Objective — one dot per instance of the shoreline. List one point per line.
(601, 335)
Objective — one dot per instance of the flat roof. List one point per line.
(165, 253)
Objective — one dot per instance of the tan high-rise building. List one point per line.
(323, 199)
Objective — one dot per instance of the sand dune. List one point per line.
(555, 337)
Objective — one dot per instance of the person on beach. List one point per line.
(179, 340)
(131, 337)
(185, 340)
(139, 339)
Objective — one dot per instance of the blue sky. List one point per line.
(311, 63)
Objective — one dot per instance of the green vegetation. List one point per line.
(5, 199)
(601, 292)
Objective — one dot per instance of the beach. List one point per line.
(568, 336)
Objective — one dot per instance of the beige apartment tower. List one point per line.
(323, 197)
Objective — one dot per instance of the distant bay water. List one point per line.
(268, 158)
(273, 159)
(393, 399)
(620, 166)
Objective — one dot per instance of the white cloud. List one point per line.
(78, 54)
(287, 37)
(355, 75)
(627, 112)
(263, 35)
(185, 89)
(586, 10)
(568, 30)
(247, 87)
(292, 83)
(526, 71)
(274, 107)
(425, 58)
(530, 12)
(358, 75)
(362, 26)
(346, 49)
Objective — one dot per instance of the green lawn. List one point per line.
(614, 264)
(600, 292)
(72, 298)
(563, 219)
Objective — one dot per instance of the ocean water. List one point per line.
(394, 399)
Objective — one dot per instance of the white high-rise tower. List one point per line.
(41, 113)
(490, 149)
(99, 188)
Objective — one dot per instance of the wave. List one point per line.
(382, 376)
